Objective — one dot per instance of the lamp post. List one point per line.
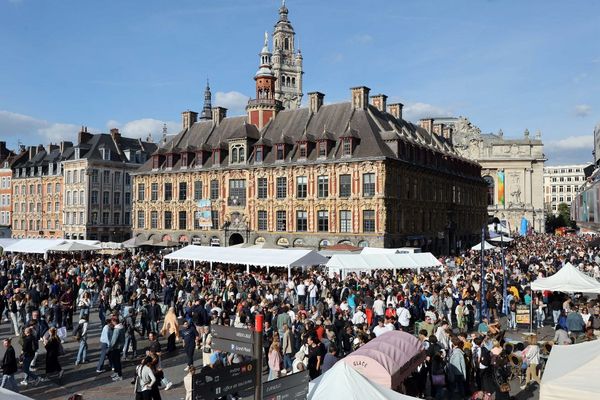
(504, 292)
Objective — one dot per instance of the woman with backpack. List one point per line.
(144, 379)
(81, 335)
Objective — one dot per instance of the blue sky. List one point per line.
(506, 65)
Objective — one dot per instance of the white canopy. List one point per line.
(343, 382)
(34, 246)
(7, 242)
(249, 256)
(567, 279)
(72, 246)
(499, 239)
(380, 250)
(383, 261)
(6, 394)
(486, 245)
(572, 372)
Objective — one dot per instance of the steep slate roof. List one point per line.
(369, 127)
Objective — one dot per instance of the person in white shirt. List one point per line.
(380, 328)
(379, 307)
(301, 292)
(403, 316)
(359, 316)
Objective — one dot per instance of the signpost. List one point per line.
(290, 387)
(224, 381)
(230, 346)
(523, 315)
(231, 333)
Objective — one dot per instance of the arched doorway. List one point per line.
(235, 238)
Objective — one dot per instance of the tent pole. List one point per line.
(531, 313)
(247, 268)
(268, 268)
(211, 265)
(178, 265)
(289, 272)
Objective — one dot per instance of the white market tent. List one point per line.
(380, 250)
(33, 246)
(500, 239)
(284, 258)
(7, 242)
(6, 394)
(486, 245)
(344, 263)
(568, 279)
(72, 246)
(572, 372)
(343, 382)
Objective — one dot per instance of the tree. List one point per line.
(562, 218)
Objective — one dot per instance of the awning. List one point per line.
(486, 245)
(33, 246)
(249, 256)
(366, 262)
(73, 247)
(500, 239)
(568, 279)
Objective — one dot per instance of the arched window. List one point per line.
(293, 81)
(490, 189)
(234, 155)
(286, 44)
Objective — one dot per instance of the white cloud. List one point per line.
(582, 110)
(140, 128)
(234, 102)
(416, 111)
(571, 143)
(364, 38)
(29, 130)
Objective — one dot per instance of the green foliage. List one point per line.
(562, 218)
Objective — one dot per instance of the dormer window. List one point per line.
(323, 148)
(170, 160)
(238, 154)
(184, 160)
(303, 149)
(347, 147)
(77, 153)
(199, 159)
(105, 153)
(216, 156)
(259, 154)
(280, 152)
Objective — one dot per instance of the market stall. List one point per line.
(345, 263)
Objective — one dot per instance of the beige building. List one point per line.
(97, 185)
(561, 184)
(519, 162)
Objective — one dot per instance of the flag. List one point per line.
(501, 188)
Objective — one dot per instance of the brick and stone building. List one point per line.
(6, 158)
(352, 172)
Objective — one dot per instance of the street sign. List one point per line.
(230, 346)
(213, 383)
(231, 333)
(290, 387)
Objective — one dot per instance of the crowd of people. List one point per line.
(311, 319)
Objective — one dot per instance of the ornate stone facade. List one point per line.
(520, 161)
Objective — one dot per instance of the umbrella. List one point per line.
(487, 246)
(73, 247)
(133, 242)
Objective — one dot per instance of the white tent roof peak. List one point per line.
(487, 246)
(568, 279)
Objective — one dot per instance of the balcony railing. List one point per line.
(236, 201)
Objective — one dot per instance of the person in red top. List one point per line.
(319, 329)
(369, 313)
(390, 311)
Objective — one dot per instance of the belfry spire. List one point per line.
(206, 110)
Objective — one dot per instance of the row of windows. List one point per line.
(237, 188)
(37, 189)
(568, 179)
(561, 199)
(35, 225)
(106, 199)
(106, 177)
(564, 170)
(22, 207)
(561, 189)
(345, 220)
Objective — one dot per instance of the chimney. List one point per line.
(189, 118)
(395, 110)
(32, 151)
(65, 145)
(83, 135)
(50, 148)
(438, 129)
(315, 101)
(218, 114)
(379, 101)
(427, 124)
(360, 97)
(2, 148)
(114, 133)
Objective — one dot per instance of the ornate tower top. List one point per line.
(206, 110)
(287, 62)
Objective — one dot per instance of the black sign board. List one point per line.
(219, 382)
(229, 346)
(230, 333)
(294, 386)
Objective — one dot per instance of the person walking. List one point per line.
(81, 333)
(130, 329)
(189, 335)
(30, 345)
(206, 344)
(54, 349)
(457, 370)
(116, 348)
(105, 339)
(9, 367)
(287, 348)
(274, 361)
(170, 329)
(144, 379)
(531, 355)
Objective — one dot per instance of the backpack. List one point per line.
(78, 331)
(486, 358)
